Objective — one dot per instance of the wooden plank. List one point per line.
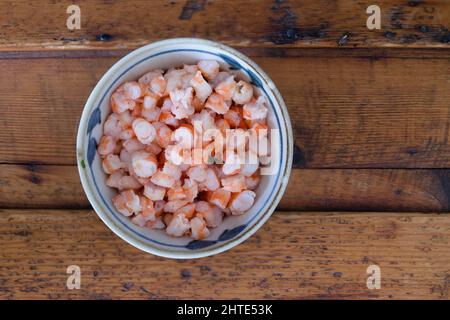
(346, 111)
(45, 186)
(312, 23)
(293, 256)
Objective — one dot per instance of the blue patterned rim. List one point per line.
(95, 119)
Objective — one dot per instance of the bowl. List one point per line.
(165, 54)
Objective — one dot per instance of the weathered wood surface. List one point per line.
(306, 255)
(257, 23)
(53, 186)
(347, 112)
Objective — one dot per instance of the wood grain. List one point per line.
(129, 24)
(293, 256)
(347, 112)
(51, 186)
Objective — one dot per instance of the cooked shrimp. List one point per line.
(226, 88)
(220, 198)
(216, 103)
(197, 173)
(149, 76)
(151, 115)
(145, 132)
(111, 163)
(178, 226)
(156, 224)
(148, 209)
(184, 136)
(209, 68)
(132, 145)
(129, 182)
(242, 201)
(150, 101)
(172, 206)
(201, 87)
(234, 183)
(154, 192)
(255, 109)
(172, 170)
(168, 118)
(158, 85)
(212, 214)
(176, 193)
(252, 182)
(187, 210)
(144, 164)
(114, 180)
(243, 93)
(182, 103)
(112, 126)
(190, 188)
(163, 134)
(107, 145)
(127, 202)
(198, 228)
(120, 103)
(162, 179)
(132, 90)
(232, 164)
(233, 116)
(211, 181)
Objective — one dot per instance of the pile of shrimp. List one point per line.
(154, 114)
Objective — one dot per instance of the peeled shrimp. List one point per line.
(217, 103)
(144, 164)
(107, 145)
(209, 68)
(243, 92)
(145, 132)
(198, 228)
(234, 183)
(242, 201)
(154, 192)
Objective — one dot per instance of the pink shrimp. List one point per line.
(144, 164)
(243, 92)
(184, 136)
(211, 181)
(162, 179)
(163, 134)
(201, 87)
(111, 163)
(178, 226)
(209, 68)
(255, 109)
(120, 103)
(112, 126)
(168, 118)
(158, 85)
(197, 173)
(149, 76)
(216, 103)
(154, 192)
(149, 102)
(241, 202)
(155, 224)
(132, 145)
(234, 183)
(127, 203)
(198, 228)
(211, 213)
(232, 164)
(220, 198)
(172, 206)
(226, 88)
(107, 145)
(145, 132)
(182, 103)
(132, 90)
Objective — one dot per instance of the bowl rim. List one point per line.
(92, 102)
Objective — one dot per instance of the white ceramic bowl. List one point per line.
(166, 54)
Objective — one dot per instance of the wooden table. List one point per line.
(371, 179)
